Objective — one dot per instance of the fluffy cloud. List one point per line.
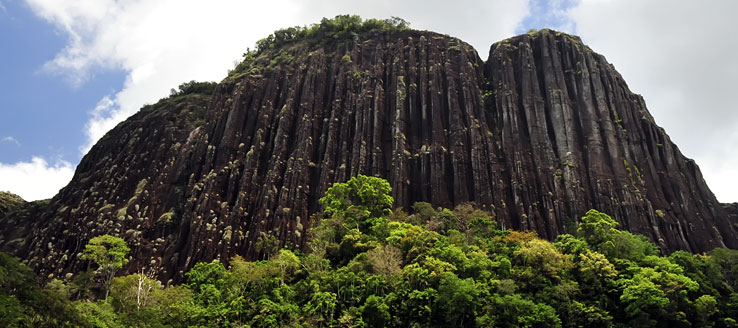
(478, 22)
(36, 179)
(159, 44)
(680, 56)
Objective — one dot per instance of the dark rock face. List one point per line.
(732, 210)
(133, 173)
(542, 132)
(574, 137)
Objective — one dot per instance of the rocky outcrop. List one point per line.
(134, 172)
(732, 210)
(543, 131)
(9, 202)
(575, 137)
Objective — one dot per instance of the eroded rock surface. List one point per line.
(543, 131)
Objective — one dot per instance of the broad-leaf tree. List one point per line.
(109, 253)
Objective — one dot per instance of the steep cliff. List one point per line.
(131, 172)
(543, 131)
(575, 137)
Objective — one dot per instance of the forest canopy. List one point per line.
(369, 266)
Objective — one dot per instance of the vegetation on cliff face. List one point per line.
(9, 202)
(112, 187)
(194, 87)
(330, 29)
(368, 266)
(271, 51)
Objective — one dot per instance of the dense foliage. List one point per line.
(9, 202)
(281, 46)
(194, 87)
(109, 254)
(24, 304)
(339, 27)
(368, 266)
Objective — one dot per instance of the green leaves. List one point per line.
(204, 275)
(540, 264)
(448, 268)
(458, 299)
(517, 311)
(24, 304)
(109, 253)
(339, 27)
(375, 311)
(596, 227)
(598, 230)
(357, 201)
(206, 88)
(641, 295)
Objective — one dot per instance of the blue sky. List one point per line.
(70, 70)
(41, 111)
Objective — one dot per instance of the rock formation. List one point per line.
(543, 131)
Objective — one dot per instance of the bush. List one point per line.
(192, 87)
(339, 27)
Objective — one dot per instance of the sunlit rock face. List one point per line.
(541, 132)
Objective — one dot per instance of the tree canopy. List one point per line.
(109, 253)
(369, 266)
(339, 27)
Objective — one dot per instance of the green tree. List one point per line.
(24, 304)
(210, 283)
(99, 315)
(596, 227)
(458, 299)
(362, 201)
(539, 264)
(267, 244)
(194, 87)
(644, 300)
(706, 306)
(596, 273)
(516, 311)
(203, 275)
(375, 311)
(134, 299)
(109, 253)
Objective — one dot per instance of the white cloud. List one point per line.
(480, 23)
(10, 139)
(160, 44)
(104, 117)
(680, 55)
(550, 14)
(36, 179)
(2, 7)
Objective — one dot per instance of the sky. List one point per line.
(70, 70)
